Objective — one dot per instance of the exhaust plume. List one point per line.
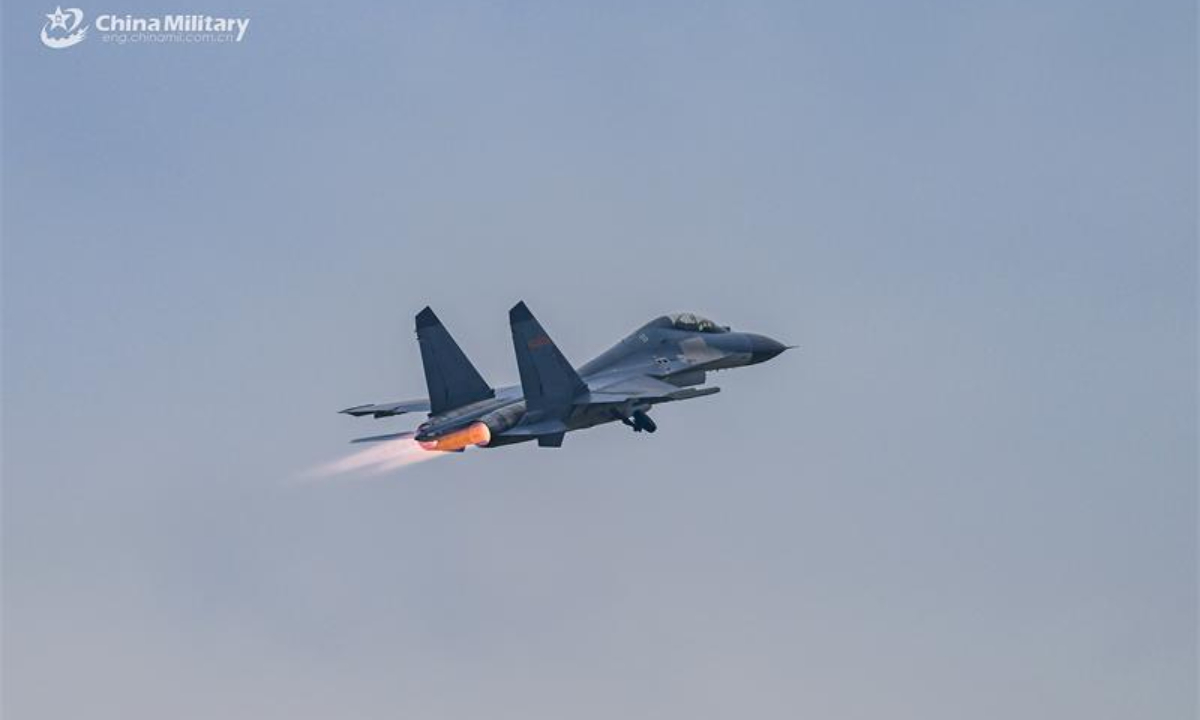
(375, 460)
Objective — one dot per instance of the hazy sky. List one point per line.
(972, 493)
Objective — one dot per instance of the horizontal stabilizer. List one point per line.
(384, 438)
(388, 409)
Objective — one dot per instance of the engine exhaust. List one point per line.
(474, 434)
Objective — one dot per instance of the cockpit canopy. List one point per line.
(695, 323)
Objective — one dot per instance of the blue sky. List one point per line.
(971, 492)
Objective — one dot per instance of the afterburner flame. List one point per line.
(474, 434)
(374, 460)
(394, 454)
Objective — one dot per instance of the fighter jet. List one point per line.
(663, 361)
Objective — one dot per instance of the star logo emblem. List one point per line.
(58, 19)
(62, 28)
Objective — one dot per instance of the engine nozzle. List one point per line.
(474, 434)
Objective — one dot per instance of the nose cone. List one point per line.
(763, 348)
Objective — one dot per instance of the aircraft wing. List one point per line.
(642, 388)
(388, 409)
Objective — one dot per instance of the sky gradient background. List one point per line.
(972, 492)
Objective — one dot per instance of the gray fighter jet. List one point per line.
(662, 361)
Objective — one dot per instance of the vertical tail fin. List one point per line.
(547, 379)
(451, 378)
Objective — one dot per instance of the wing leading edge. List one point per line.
(642, 388)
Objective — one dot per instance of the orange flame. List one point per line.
(374, 460)
(473, 434)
